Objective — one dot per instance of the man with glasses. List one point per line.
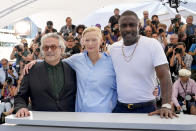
(169, 52)
(51, 84)
(7, 71)
(71, 47)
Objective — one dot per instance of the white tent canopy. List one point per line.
(88, 12)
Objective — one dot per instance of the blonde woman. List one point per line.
(96, 79)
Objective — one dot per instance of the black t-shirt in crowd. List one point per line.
(53, 30)
(71, 51)
(172, 69)
(113, 20)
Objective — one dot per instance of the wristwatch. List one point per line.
(167, 105)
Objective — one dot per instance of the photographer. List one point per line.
(108, 36)
(162, 38)
(169, 53)
(8, 92)
(184, 92)
(176, 24)
(154, 23)
(49, 28)
(192, 52)
(114, 19)
(169, 48)
(26, 49)
(20, 56)
(79, 31)
(7, 71)
(180, 59)
(35, 54)
(69, 29)
(189, 28)
(71, 47)
(38, 38)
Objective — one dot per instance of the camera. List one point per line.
(9, 80)
(174, 20)
(25, 45)
(39, 32)
(10, 67)
(161, 30)
(178, 51)
(37, 50)
(18, 48)
(65, 35)
(194, 39)
(69, 53)
(116, 31)
(154, 22)
(170, 45)
(105, 32)
(189, 97)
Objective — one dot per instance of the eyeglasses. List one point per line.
(52, 47)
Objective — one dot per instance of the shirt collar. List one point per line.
(51, 66)
(103, 54)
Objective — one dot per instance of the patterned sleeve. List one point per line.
(188, 61)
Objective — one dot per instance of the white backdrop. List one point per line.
(88, 12)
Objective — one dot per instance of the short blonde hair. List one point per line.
(91, 29)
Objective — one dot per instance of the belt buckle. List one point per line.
(130, 106)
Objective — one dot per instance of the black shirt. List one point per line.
(53, 30)
(113, 20)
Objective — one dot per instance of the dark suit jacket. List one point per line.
(36, 86)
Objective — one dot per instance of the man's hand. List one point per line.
(156, 92)
(23, 112)
(70, 34)
(164, 112)
(178, 108)
(177, 24)
(194, 52)
(163, 35)
(107, 36)
(14, 49)
(20, 53)
(10, 72)
(170, 49)
(28, 66)
(4, 84)
(178, 56)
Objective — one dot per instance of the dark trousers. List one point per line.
(120, 108)
(193, 74)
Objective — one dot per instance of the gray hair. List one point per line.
(175, 35)
(56, 36)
